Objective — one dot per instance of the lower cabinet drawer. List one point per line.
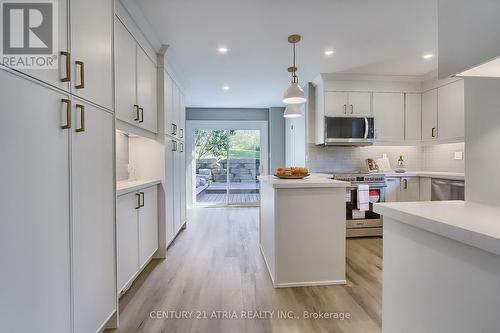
(363, 223)
(364, 232)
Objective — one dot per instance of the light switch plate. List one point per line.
(459, 155)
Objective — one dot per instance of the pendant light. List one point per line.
(294, 94)
(292, 111)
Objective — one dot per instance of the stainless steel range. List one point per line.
(363, 223)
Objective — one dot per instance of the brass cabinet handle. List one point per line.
(141, 110)
(141, 195)
(405, 184)
(67, 78)
(352, 108)
(433, 132)
(136, 108)
(174, 145)
(182, 147)
(68, 113)
(345, 109)
(82, 118)
(174, 129)
(182, 133)
(82, 74)
(138, 201)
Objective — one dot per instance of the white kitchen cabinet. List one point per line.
(34, 227)
(347, 104)
(336, 104)
(409, 189)
(182, 184)
(170, 162)
(425, 188)
(146, 91)
(295, 141)
(127, 238)
(451, 110)
(170, 121)
(148, 225)
(182, 117)
(137, 233)
(136, 84)
(92, 50)
(392, 189)
(93, 230)
(389, 114)
(68, 268)
(430, 115)
(176, 106)
(413, 117)
(177, 187)
(56, 77)
(126, 107)
(360, 104)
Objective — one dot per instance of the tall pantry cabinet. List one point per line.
(175, 158)
(57, 232)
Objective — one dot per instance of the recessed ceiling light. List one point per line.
(222, 50)
(226, 88)
(329, 52)
(428, 56)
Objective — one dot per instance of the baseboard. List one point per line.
(267, 265)
(310, 284)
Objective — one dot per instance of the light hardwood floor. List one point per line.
(215, 265)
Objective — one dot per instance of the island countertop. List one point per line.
(473, 224)
(315, 180)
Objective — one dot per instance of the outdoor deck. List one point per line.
(234, 198)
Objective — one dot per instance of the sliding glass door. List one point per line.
(227, 161)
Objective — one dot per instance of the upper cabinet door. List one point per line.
(360, 104)
(336, 104)
(34, 223)
(413, 117)
(451, 110)
(93, 231)
(146, 91)
(429, 115)
(57, 77)
(389, 113)
(176, 98)
(148, 225)
(182, 116)
(169, 105)
(92, 50)
(126, 108)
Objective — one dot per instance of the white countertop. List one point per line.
(315, 180)
(430, 174)
(127, 186)
(469, 223)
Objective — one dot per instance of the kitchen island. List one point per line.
(441, 267)
(303, 230)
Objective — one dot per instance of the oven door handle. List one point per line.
(366, 128)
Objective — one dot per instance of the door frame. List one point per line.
(192, 125)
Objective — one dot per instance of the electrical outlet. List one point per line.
(459, 155)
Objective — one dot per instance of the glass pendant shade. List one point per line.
(292, 111)
(294, 94)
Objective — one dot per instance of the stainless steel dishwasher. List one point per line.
(445, 189)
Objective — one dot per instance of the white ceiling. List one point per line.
(368, 36)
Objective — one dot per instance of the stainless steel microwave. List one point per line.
(349, 131)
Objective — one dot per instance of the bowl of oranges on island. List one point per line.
(292, 173)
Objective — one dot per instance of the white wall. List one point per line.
(468, 34)
(482, 143)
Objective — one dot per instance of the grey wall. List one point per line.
(276, 138)
(273, 115)
(226, 114)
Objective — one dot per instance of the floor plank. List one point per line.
(216, 265)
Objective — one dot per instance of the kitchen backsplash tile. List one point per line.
(441, 157)
(347, 159)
